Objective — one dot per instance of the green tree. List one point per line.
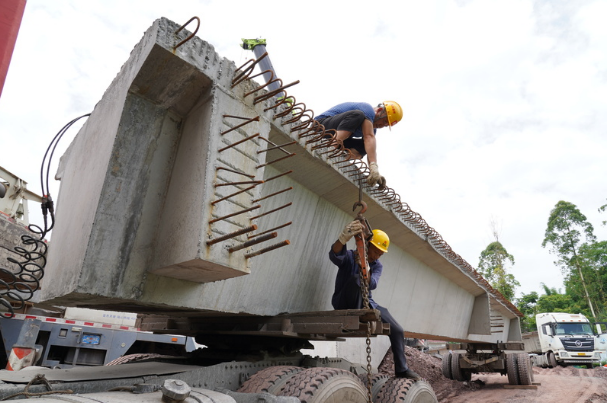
(527, 305)
(567, 227)
(492, 266)
(602, 210)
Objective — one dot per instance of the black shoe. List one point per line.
(409, 374)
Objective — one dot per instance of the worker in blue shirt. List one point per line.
(355, 123)
(348, 294)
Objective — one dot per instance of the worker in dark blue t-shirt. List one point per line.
(348, 294)
(355, 123)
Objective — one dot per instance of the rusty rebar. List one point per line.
(277, 176)
(235, 171)
(191, 35)
(233, 194)
(237, 183)
(245, 73)
(273, 93)
(253, 242)
(276, 160)
(273, 194)
(238, 142)
(234, 214)
(231, 235)
(270, 230)
(276, 146)
(255, 119)
(268, 249)
(272, 211)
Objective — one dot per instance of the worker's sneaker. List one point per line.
(409, 374)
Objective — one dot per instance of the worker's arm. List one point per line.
(337, 247)
(376, 271)
(369, 140)
(351, 229)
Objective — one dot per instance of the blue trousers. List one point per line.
(350, 297)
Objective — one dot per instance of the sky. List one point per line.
(504, 100)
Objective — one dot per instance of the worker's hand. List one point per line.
(374, 176)
(355, 227)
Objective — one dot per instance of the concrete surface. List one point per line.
(135, 215)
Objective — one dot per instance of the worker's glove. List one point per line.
(355, 227)
(374, 176)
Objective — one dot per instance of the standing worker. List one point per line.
(348, 294)
(355, 124)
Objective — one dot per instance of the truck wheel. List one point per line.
(551, 360)
(406, 391)
(458, 373)
(525, 373)
(320, 385)
(512, 369)
(447, 366)
(269, 380)
(377, 381)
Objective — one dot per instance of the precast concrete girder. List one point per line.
(190, 189)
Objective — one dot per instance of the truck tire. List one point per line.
(525, 373)
(269, 380)
(320, 385)
(512, 369)
(447, 366)
(406, 391)
(457, 373)
(551, 360)
(377, 381)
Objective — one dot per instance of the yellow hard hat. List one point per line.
(394, 112)
(380, 240)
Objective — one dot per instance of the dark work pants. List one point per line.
(350, 298)
(349, 121)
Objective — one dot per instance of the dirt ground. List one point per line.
(562, 384)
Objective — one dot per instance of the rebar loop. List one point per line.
(268, 249)
(190, 36)
(272, 211)
(234, 214)
(231, 235)
(253, 242)
(244, 74)
(238, 142)
(255, 119)
(273, 93)
(270, 230)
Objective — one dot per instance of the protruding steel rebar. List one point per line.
(276, 160)
(271, 229)
(253, 242)
(277, 176)
(237, 183)
(271, 94)
(268, 249)
(251, 120)
(272, 211)
(235, 171)
(234, 214)
(191, 35)
(231, 235)
(238, 142)
(275, 146)
(233, 194)
(247, 71)
(273, 194)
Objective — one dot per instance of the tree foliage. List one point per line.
(492, 265)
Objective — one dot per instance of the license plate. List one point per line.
(582, 354)
(91, 339)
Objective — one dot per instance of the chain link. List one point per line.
(364, 288)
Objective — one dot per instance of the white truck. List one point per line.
(564, 338)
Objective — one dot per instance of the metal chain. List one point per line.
(364, 288)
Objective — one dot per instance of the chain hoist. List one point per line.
(364, 275)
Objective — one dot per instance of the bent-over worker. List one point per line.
(348, 294)
(356, 123)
